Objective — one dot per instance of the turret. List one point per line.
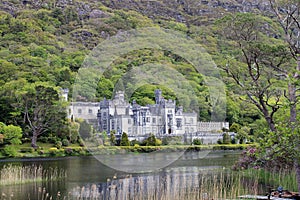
(158, 96)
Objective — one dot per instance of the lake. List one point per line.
(88, 177)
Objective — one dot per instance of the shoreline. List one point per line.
(70, 152)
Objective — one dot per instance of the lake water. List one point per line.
(88, 177)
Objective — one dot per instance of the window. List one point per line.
(79, 111)
(129, 131)
(191, 120)
(154, 120)
(90, 111)
(148, 119)
(179, 123)
(113, 124)
(169, 111)
(129, 121)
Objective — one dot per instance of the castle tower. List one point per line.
(158, 96)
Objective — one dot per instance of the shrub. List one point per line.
(58, 144)
(40, 151)
(68, 151)
(226, 138)
(134, 142)
(53, 151)
(151, 141)
(124, 140)
(197, 141)
(26, 150)
(65, 142)
(43, 139)
(53, 139)
(10, 151)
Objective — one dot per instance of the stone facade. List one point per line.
(161, 118)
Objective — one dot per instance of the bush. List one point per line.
(124, 140)
(226, 138)
(151, 141)
(65, 142)
(43, 139)
(134, 142)
(53, 139)
(58, 144)
(197, 141)
(27, 150)
(69, 151)
(53, 151)
(10, 151)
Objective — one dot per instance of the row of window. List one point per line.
(79, 111)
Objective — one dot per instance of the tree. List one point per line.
(288, 16)
(124, 140)
(252, 60)
(42, 110)
(113, 140)
(226, 138)
(264, 51)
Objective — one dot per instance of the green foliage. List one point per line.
(85, 129)
(11, 134)
(226, 139)
(235, 127)
(152, 141)
(65, 142)
(58, 144)
(197, 141)
(112, 138)
(10, 151)
(124, 140)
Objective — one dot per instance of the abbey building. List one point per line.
(161, 118)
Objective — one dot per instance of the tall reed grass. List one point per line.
(16, 174)
(204, 186)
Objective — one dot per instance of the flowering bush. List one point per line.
(247, 159)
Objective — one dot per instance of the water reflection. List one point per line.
(87, 177)
(174, 183)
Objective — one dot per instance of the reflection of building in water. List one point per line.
(161, 118)
(177, 183)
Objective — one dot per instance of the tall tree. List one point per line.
(288, 16)
(251, 59)
(39, 105)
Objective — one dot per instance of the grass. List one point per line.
(173, 185)
(284, 178)
(15, 174)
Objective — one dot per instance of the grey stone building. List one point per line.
(161, 118)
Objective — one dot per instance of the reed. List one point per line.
(204, 186)
(16, 174)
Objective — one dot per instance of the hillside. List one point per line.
(46, 41)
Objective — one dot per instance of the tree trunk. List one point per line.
(33, 140)
(292, 99)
